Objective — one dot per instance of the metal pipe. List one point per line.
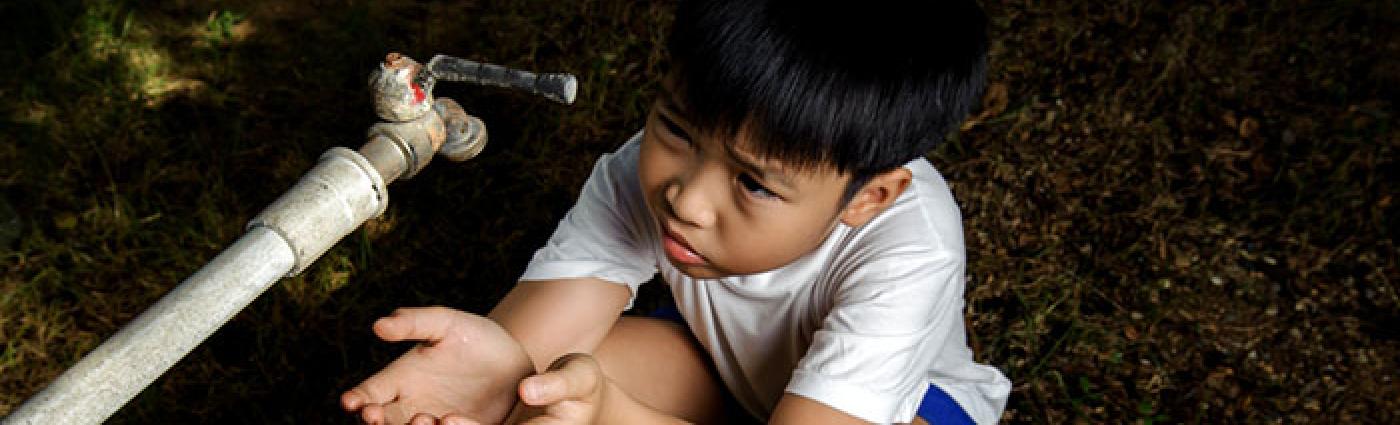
(344, 189)
(108, 377)
(327, 203)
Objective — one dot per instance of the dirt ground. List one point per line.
(1175, 212)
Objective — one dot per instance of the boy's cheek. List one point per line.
(652, 164)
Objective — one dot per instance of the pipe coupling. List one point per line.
(466, 134)
(329, 202)
(417, 140)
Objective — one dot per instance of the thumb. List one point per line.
(572, 376)
(429, 324)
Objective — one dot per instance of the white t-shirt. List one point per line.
(862, 324)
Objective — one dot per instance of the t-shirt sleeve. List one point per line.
(871, 355)
(605, 234)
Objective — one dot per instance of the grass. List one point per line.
(1174, 212)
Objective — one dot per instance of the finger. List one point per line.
(375, 390)
(363, 396)
(390, 413)
(351, 401)
(416, 323)
(398, 413)
(458, 420)
(571, 376)
(372, 414)
(423, 419)
(543, 389)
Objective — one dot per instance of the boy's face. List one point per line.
(723, 211)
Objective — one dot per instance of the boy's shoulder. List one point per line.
(924, 218)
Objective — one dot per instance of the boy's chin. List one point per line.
(698, 271)
(710, 271)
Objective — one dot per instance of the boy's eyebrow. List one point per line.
(672, 104)
(771, 174)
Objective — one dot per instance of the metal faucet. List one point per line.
(334, 198)
(403, 93)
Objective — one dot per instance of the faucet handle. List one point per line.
(559, 87)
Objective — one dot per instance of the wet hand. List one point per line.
(465, 366)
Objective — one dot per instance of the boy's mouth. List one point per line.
(679, 250)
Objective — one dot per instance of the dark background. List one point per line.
(1174, 212)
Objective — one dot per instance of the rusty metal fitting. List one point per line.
(398, 91)
(416, 140)
(466, 134)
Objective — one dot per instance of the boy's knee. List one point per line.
(658, 362)
(645, 333)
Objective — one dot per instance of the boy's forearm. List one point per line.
(553, 318)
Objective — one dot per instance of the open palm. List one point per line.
(465, 365)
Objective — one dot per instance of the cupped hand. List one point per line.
(570, 392)
(465, 366)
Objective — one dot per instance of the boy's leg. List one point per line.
(658, 363)
(938, 408)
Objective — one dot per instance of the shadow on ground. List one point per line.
(1173, 212)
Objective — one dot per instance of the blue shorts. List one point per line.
(937, 408)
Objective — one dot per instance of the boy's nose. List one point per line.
(691, 203)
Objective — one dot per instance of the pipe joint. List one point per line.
(329, 202)
(416, 140)
(466, 134)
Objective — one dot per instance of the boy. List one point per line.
(815, 258)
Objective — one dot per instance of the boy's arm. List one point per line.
(547, 314)
(465, 365)
(555, 317)
(796, 409)
(574, 389)
(562, 303)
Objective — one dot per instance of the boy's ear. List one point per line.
(877, 194)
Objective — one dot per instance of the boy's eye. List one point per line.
(673, 128)
(755, 188)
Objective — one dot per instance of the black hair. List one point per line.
(861, 86)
